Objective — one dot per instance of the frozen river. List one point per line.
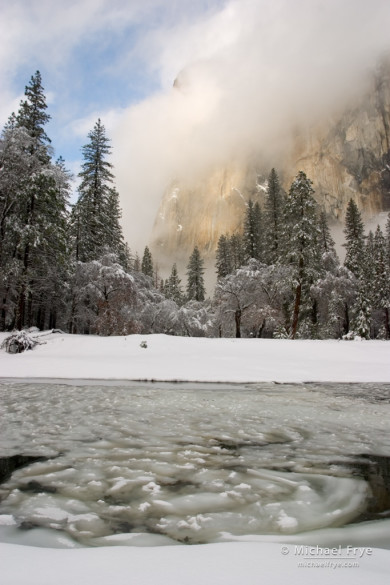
(98, 463)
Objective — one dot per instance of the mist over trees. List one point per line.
(68, 266)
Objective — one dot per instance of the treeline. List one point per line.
(67, 266)
(281, 276)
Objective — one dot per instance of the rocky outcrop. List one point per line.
(349, 156)
(346, 156)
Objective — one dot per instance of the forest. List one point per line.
(67, 266)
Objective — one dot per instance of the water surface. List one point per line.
(192, 463)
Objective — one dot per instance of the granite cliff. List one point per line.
(346, 155)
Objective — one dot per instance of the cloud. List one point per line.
(58, 37)
(246, 70)
(110, 119)
(246, 73)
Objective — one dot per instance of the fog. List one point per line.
(246, 74)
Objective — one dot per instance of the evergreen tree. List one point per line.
(328, 249)
(387, 238)
(367, 269)
(301, 246)
(137, 263)
(147, 263)
(252, 237)
(33, 216)
(358, 260)
(173, 289)
(237, 252)
(354, 235)
(223, 259)
(362, 320)
(195, 282)
(32, 116)
(273, 218)
(381, 283)
(96, 215)
(114, 234)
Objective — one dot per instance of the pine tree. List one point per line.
(114, 234)
(387, 238)
(237, 252)
(96, 215)
(137, 263)
(354, 235)
(147, 263)
(358, 259)
(34, 199)
(273, 218)
(173, 289)
(33, 117)
(361, 323)
(301, 245)
(381, 282)
(252, 237)
(195, 281)
(223, 260)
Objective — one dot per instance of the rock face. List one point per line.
(349, 156)
(346, 156)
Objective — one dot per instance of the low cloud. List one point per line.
(246, 74)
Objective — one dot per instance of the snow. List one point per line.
(169, 358)
(154, 559)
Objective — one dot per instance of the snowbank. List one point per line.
(168, 358)
(212, 564)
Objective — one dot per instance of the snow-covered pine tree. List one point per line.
(301, 248)
(15, 170)
(381, 283)
(173, 289)
(273, 218)
(253, 236)
(52, 259)
(237, 252)
(387, 238)
(335, 290)
(223, 257)
(147, 263)
(195, 282)
(96, 215)
(137, 263)
(362, 319)
(354, 235)
(115, 241)
(32, 116)
(33, 212)
(367, 276)
(358, 259)
(327, 244)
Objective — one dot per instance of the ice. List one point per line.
(188, 463)
(7, 520)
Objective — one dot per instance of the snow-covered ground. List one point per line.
(196, 359)
(249, 560)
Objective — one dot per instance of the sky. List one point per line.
(244, 69)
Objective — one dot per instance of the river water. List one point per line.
(110, 463)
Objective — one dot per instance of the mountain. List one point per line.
(346, 155)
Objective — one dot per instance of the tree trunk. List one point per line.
(29, 318)
(387, 323)
(261, 329)
(53, 318)
(3, 317)
(346, 319)
(237, 318)
(21, 307)
(294, 326)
